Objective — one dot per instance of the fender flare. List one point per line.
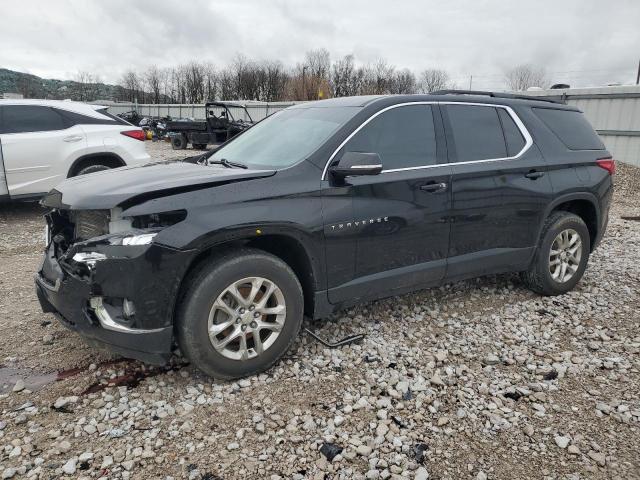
(231, 238)
(292, 231)
(89, 156)
(590, 197)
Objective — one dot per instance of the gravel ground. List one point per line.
(479, 379)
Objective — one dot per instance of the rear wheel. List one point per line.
(561, 257)
(98, 167)
(179, 142)
(239, 314)
(200, 146)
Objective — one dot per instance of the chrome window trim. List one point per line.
(523, 130)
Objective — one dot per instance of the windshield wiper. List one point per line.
(228, 163)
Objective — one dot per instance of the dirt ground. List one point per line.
(481, 379)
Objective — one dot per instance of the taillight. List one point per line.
(609, 164)
(136, 134)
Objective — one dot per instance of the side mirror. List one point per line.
(357, 163)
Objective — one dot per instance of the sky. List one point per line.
(580, 42)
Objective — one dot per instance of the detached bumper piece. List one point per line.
(119, 299)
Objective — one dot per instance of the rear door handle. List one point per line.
(73, 138)
(533, 175)
(434, 187)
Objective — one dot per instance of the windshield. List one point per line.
(286, 137)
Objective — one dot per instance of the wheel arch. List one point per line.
(288, 247)
(110, 159)
(584, 205)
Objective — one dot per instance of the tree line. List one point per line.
(317, 77)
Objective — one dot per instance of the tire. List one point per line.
(98, 167)
(540, 276)
(179, 142)
(201, 297)
(200, 146)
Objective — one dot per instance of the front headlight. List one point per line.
(132, 239)
(144, 239)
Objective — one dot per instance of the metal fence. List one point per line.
(613, 111)
(257, 110)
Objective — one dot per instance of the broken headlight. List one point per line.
(158, 220)
(142, 238)
(141, 229)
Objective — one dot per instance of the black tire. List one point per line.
(538, 278)
(179, 142)
(97, 167)
(202, 289)
(200, 146)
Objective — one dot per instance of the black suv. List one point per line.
(319, 207)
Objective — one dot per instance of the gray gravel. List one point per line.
(480, 380)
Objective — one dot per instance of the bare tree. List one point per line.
(346, 79)
(522, 77)
(86, 87)
(432, 80)
(403, 82)
(377, 78)
(131, 84)
(194, 75)
(154, 81)
(211, 84)
(310, 80)
(165, 84)
(227, 84)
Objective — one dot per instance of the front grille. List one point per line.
(90, 224)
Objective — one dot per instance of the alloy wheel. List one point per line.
(565, 255)
(247, 318)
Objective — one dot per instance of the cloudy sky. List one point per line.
(582, 42)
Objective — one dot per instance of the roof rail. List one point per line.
(495, 95)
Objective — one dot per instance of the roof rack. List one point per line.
(495, 95)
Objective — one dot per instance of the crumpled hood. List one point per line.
(111, 188)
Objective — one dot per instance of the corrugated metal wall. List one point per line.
(613, 111)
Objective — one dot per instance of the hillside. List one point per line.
(32, 86)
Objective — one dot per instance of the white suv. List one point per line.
(42, 142)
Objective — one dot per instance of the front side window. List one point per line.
(403, 137)
(30, 118)
(286, 137)
(477, 132)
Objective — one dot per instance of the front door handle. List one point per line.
(534, 175)
(434, 187)
(73, 138)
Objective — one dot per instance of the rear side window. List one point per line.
(103, 111)
(571, 127)
(403, 137)
(30, 118)
(476, 132)
(512, 134)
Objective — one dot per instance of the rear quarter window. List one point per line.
(571, 127)
(74, 118)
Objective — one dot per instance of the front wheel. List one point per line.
(561, 257)
(239, 314)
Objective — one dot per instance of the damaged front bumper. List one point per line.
(121, 297)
